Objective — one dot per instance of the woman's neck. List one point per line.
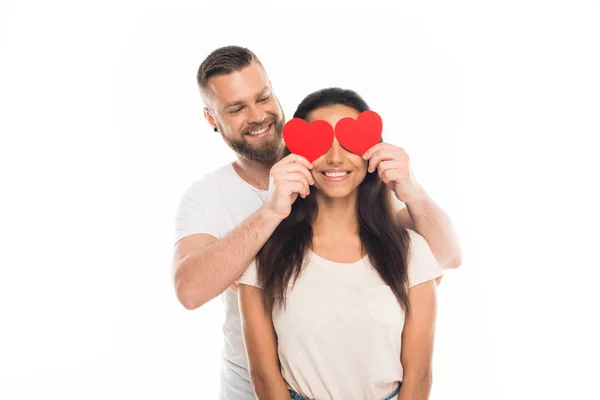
(335, 231)
(336, 217)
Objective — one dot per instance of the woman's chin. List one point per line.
(329, 195)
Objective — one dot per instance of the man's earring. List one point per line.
(215, 129)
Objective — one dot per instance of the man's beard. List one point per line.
(268, 150)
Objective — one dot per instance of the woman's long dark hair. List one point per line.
(280, 260)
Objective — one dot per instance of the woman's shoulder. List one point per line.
(415, 238)
(422, 265)
(418, 245)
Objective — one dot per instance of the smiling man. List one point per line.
(225, 218)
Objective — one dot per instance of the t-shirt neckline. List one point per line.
(335, 263)
(234, 172)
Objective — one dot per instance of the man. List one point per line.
(225, 218)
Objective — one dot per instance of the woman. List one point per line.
(323, 307)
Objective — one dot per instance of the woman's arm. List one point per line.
(261, 346)
(417, 342)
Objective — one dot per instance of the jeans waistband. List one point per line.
(296, 396)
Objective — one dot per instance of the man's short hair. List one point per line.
(223, 61)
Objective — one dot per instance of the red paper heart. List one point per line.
(310, 141)
(359, 135)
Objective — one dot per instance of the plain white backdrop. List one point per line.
(101, 125)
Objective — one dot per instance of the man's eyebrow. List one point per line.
(263, 92)
(241, 102)
(235, 103)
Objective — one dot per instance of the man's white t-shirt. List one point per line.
(215, 205)
(340, 334)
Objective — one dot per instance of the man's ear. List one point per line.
(210, 118)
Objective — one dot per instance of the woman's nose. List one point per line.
(335, 154)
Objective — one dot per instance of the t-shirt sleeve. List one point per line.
(196, 213)
(397, 204)
(250, 276)
(422, 266)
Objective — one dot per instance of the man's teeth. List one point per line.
(263, 130)
(335, 174)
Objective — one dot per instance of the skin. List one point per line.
(242, 101)
(239, 103)
(336, 238)
(336, 225)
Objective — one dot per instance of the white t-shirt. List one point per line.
(215, 205)
(340, 335)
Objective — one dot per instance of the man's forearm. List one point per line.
(431, 222)
(208, 272)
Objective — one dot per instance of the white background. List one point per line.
(102, 130)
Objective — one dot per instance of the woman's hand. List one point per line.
(417, 342)
(261, 346)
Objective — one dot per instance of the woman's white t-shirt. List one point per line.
(340, 334)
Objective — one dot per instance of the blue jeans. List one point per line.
(296, 396)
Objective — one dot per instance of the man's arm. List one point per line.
(260, 341)
(421, 213)
(424, 216)
(205, 267)
(417, 342)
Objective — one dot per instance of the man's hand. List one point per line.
(289, 178)
(393, 167)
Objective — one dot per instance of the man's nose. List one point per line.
(256, 115)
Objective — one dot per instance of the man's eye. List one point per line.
(237, 110)
(264, 99)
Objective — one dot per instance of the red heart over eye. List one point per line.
(310, 141)
(361, 134)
